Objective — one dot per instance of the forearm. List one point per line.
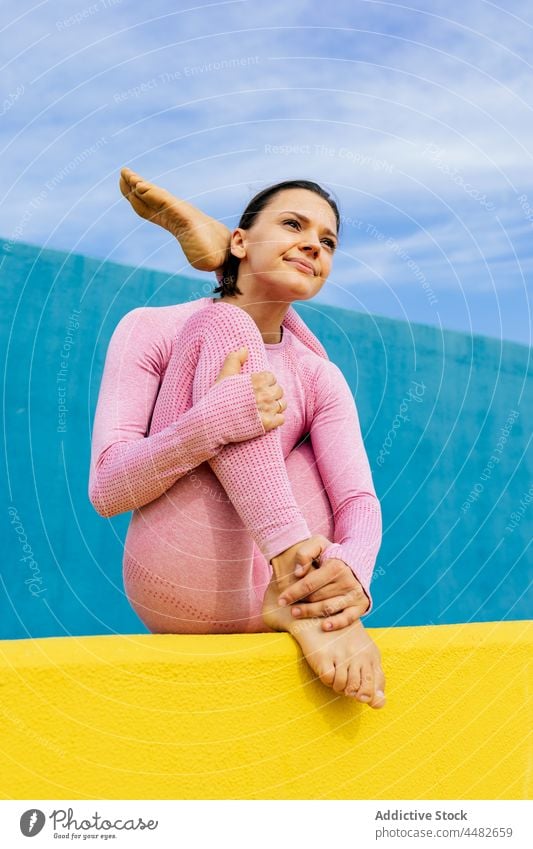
(357, 539)
(126, 475)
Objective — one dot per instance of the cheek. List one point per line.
(283, 242)
(327, 262)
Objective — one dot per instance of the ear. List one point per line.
(238, 243)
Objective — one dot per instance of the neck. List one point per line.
(267, 315)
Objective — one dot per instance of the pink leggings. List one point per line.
(191, 565)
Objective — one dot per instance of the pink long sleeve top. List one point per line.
(130, 468)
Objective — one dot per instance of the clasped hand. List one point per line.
(331, 591)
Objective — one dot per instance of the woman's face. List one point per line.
(287, 253)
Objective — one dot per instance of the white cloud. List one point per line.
(193, 97)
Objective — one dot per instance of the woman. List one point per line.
(234, 481)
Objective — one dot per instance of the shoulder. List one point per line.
(312, 363)
(160, 319)
(327, 382)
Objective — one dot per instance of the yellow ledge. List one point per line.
(241, 717)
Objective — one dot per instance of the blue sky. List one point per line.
(418, 117)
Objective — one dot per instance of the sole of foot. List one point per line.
(204, 240)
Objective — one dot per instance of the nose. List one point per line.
(311, 246)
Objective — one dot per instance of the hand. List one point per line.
(299, 555)
(332, 591)
(266, 389)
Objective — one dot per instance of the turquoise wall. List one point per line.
(446, 419)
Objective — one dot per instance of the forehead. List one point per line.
(307, 203)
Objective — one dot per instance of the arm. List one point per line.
(128, 468)
(344, 468)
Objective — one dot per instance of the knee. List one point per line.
(228, 322)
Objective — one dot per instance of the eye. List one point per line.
(330, 244)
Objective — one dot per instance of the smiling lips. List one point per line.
(302, 265)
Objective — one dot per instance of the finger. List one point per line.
(310, 611)
(232, 364)
(341, 620)
(301, 589)
(325, 592)
(310, 550)
(301, 569)
(355, 597)
(278, 392)
(237, 357)
(278, 420)
(278, 407)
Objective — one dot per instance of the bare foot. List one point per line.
(204, 240)
(347, 660)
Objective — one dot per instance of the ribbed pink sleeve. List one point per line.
(343, 465)
(130, 469)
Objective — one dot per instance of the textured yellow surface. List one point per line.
(240, 716)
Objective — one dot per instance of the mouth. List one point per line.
(302, 265)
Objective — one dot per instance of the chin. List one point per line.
(281, 287)
(307, 289)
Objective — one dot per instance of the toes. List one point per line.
(379, 700)
(327, 675)
(379, 695)
(124, 186)
(341, 677)
(366, 690)
(354, 680)
(129, 177)
(141, 187)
